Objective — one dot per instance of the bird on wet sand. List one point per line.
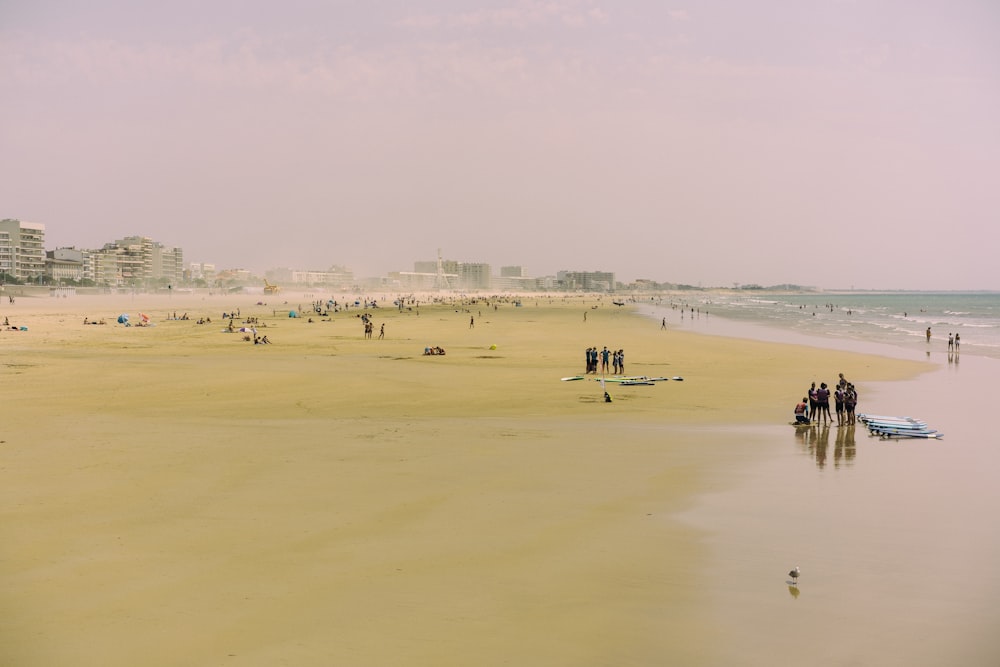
(794, 574)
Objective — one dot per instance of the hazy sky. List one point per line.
(829, 143)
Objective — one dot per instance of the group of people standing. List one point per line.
(815, 405)
(370, 326)
(600, 358)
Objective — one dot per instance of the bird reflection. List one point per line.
(793, 590)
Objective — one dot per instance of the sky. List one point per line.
(832, 143)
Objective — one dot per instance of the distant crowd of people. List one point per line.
(814, 407)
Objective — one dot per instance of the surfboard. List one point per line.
(908, 434)
(880, 426)
(572, 377)
(633, 378)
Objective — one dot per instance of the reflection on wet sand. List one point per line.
(844, 447)
(815, 439)
(793, 590)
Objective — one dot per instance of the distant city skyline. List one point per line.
(413, 266)
(829, 143)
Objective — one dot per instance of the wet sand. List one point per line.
(175, 495)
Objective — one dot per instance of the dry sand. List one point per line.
(174, 495)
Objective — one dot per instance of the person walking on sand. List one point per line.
(663, 325)
(472, 322)
(381, 331)
(928, 334)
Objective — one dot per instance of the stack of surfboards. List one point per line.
(887, 426)
(627, 379)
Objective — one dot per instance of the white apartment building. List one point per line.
(22, 249)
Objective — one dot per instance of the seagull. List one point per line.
(794, 574)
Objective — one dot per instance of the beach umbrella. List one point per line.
(123, 318)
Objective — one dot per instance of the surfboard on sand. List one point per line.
(573, 377)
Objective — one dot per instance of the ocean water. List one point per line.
(899, 538)
(899, 319)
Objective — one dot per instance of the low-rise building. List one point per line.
(586, 281)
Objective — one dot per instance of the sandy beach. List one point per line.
(176, 495)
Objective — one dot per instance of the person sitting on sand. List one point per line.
(802, 411)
